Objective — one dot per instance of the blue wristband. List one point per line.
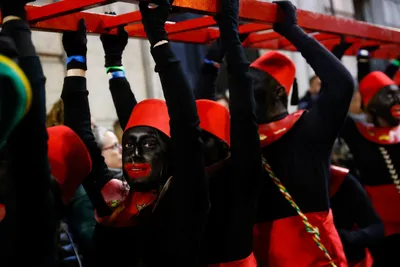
(215, 64)
(117, 74)
(80, 59)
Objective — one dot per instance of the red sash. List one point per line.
(337, 176)
(386, 201)
(250, 261)
(2, 211)
(271, 132)
(379, 135)
(286, 243)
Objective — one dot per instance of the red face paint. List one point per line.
(138, 170)
(395, 110)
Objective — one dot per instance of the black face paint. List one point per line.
(215, 149)
(145, 159)
(386, 105)
(267, 96)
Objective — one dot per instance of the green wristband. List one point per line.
(396, 62)
(116, 68)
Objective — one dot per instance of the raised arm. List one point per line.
(28, 150)
(188, 204)
(123, 97)
(77, 114)
(245, 142)
(205, 87)
(327, 116)
(392, 68)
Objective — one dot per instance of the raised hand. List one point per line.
(14, 8)
(75, 46)
(289, 19)
(154, 18)
(114, 46)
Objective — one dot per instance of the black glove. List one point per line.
(114, 46)
(154, 19)
(75, 45)
(289, 17)
(228, 22)
(14, 8)
(8, 47)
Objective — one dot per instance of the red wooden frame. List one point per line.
(257, 18)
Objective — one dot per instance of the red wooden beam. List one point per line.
(122, 20)
(61, 8)
(257, 17)
(264, 12)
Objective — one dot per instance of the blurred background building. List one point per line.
(140, 66)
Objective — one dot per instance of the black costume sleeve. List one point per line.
(245, 154)
(188, 202)
(328, 114)
(123, 98)
(363, 67)
(29, 161)
(77, 117)
(340, 49)
(370, 228)
(205, 87)
(391, 69)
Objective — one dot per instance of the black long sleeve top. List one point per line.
(123, 98)
(234, 188)
(358, 224)
(184, 208)
(367, 156)
(301, 158)
(29, 161)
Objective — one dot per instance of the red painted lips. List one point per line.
(395, 111)
(137, 170)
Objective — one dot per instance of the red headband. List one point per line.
(278, 66)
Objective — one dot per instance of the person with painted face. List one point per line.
(26, 154)
(234, 177)
(163, 214)
(356, 220)
(375, 147)
(222, 168)
(294, 200)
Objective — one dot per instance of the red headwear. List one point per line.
(215, 119)
(278, 66)
(150, 113)
(69, 159)
(372, 83)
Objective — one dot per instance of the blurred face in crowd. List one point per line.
(315, 85)
(384, 108)
(112, 151)
(145, 160)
